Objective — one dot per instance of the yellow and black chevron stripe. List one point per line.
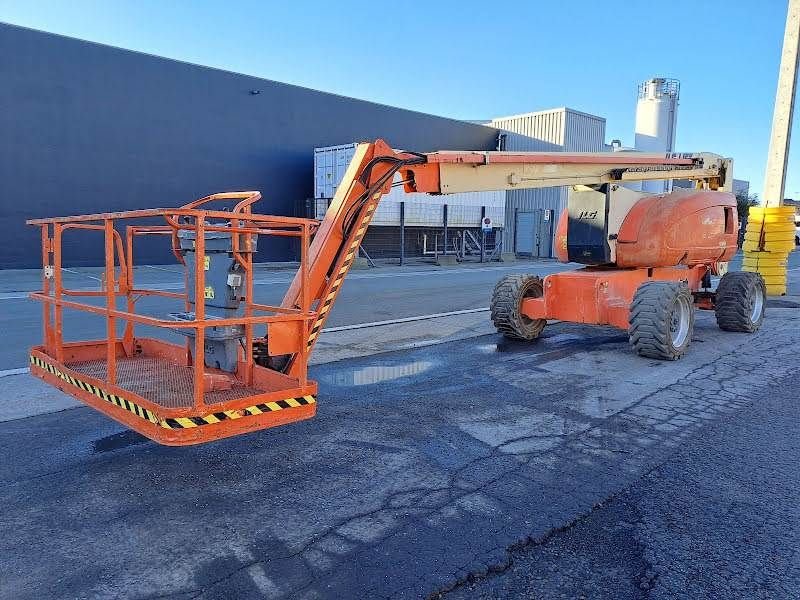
(352, 251)
(177, 422)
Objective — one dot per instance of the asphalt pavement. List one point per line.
(475, 467)
(719, 519)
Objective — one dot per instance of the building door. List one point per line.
(524, 240)
(544, 233)
(534, 233)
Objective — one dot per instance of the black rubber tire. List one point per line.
(506, 299)
(651, 318)
(735, 300)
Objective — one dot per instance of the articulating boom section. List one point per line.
(371, 173)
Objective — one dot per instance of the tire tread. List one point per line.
(505, 307)
(733, 299)
(650, 314)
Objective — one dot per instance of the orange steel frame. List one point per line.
(50, 360)
(293, 327)
(603, 296)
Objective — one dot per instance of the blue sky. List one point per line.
(475, 60)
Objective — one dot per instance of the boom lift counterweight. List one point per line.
(648, 263)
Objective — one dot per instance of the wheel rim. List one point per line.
(757, 308)
(534, 291)
(679, 323)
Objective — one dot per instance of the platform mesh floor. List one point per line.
(159, 381)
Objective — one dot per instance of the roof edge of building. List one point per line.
(564, 109)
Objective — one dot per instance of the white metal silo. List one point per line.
(656, 117)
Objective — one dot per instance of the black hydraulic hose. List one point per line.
(364, 179)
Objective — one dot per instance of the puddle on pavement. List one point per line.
(543, 344)
(116, 441)
(378, 374)
(546, 345)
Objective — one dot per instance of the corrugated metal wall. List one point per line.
(557, 130)
(545, 126)
(528, 200)
(584, 132)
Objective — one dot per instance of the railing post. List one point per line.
(248, 301)
(47, 275)
(483, 234)
(444, 222)
(111, 304)
(128, 336)
(304, 305)
(199, 311)
(58, 284)
(402, 232)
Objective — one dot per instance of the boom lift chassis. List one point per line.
(229, 376)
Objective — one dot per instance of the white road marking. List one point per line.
(404, 320)
(157, 268)
(79, 273)
(9, 372)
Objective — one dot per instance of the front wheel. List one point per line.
(661, 319)
(740, 302)
(506, 302)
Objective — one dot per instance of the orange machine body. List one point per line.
(682, 228)
(680, 236)
(600, 296)
(175, 394)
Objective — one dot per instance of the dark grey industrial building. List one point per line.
(91, 128)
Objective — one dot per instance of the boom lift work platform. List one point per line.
(243, 366)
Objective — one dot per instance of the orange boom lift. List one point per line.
(243, 366)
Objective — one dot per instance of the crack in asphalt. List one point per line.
(495, 569)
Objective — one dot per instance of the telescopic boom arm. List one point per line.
(372, 170)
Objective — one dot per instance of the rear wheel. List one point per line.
(661, 319)
(740, 302)
(507, 299)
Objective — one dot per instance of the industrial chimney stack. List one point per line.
(656, 117)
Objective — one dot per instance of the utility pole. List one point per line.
(771, 228)
(775, 176)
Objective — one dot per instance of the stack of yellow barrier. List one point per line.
(767, 242)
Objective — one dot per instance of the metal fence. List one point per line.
(443, 230)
